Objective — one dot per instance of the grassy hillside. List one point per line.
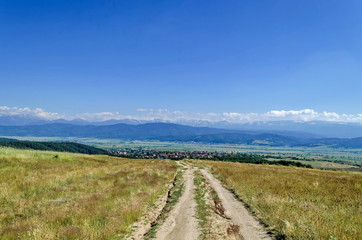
(297, 203)
(52, 146)
(47, 195)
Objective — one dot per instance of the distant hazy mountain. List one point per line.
(310, 129)
(176, 132)
(267, 140)
(19, 120)
(322, 128)
(123, 131)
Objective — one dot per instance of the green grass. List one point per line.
(209, 211)
(202, 208)
(51, 195)
(297, 203)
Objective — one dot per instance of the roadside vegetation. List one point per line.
(48, 195)
(203, 209)
(296, 203)
(211, 213)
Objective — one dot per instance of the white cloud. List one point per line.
(28, 112)
(179, 116)
(283, 113)
(95, 117)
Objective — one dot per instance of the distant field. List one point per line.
(47, 195)
(319, 157)
(297, 203)
(328, 165)
(179, 146)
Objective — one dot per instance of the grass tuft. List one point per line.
(202, 207)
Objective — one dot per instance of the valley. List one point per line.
(318, 157)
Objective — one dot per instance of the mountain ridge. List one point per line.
(317, 128)
(177, 132)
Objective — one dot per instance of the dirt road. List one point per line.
(249, 227)
(235, 223)
(181, 223)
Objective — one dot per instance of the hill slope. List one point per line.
(52, 146)
(76, 196)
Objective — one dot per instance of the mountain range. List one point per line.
(306, 129)
(180, 133)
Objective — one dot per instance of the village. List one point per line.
(174, 155)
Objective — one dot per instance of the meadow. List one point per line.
(296, 203)
(51, 195)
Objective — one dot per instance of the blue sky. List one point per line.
(79, 56)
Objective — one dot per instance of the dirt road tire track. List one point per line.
(250, 228)
(181, 223)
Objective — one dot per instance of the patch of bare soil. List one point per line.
(141, 227)
(218, 226)
(181, 223)
(243, 224)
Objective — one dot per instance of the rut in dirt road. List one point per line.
(181, 223)
(249, 227)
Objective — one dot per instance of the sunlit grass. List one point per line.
(202, 208)
(48, 195)
(297, 203)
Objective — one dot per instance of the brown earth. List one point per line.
(231, 220)
(243, 222)
(181, 222)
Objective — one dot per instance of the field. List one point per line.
(52, 195)
(318, 157)
(297, 203)
(47, 195)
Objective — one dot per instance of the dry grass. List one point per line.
(48, 195)
(203, 209)
(297, 203)
(213, 224)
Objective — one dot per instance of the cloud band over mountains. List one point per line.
(176, 116)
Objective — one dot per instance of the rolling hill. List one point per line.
(124, 131)
(180, 133)
(52, 146)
